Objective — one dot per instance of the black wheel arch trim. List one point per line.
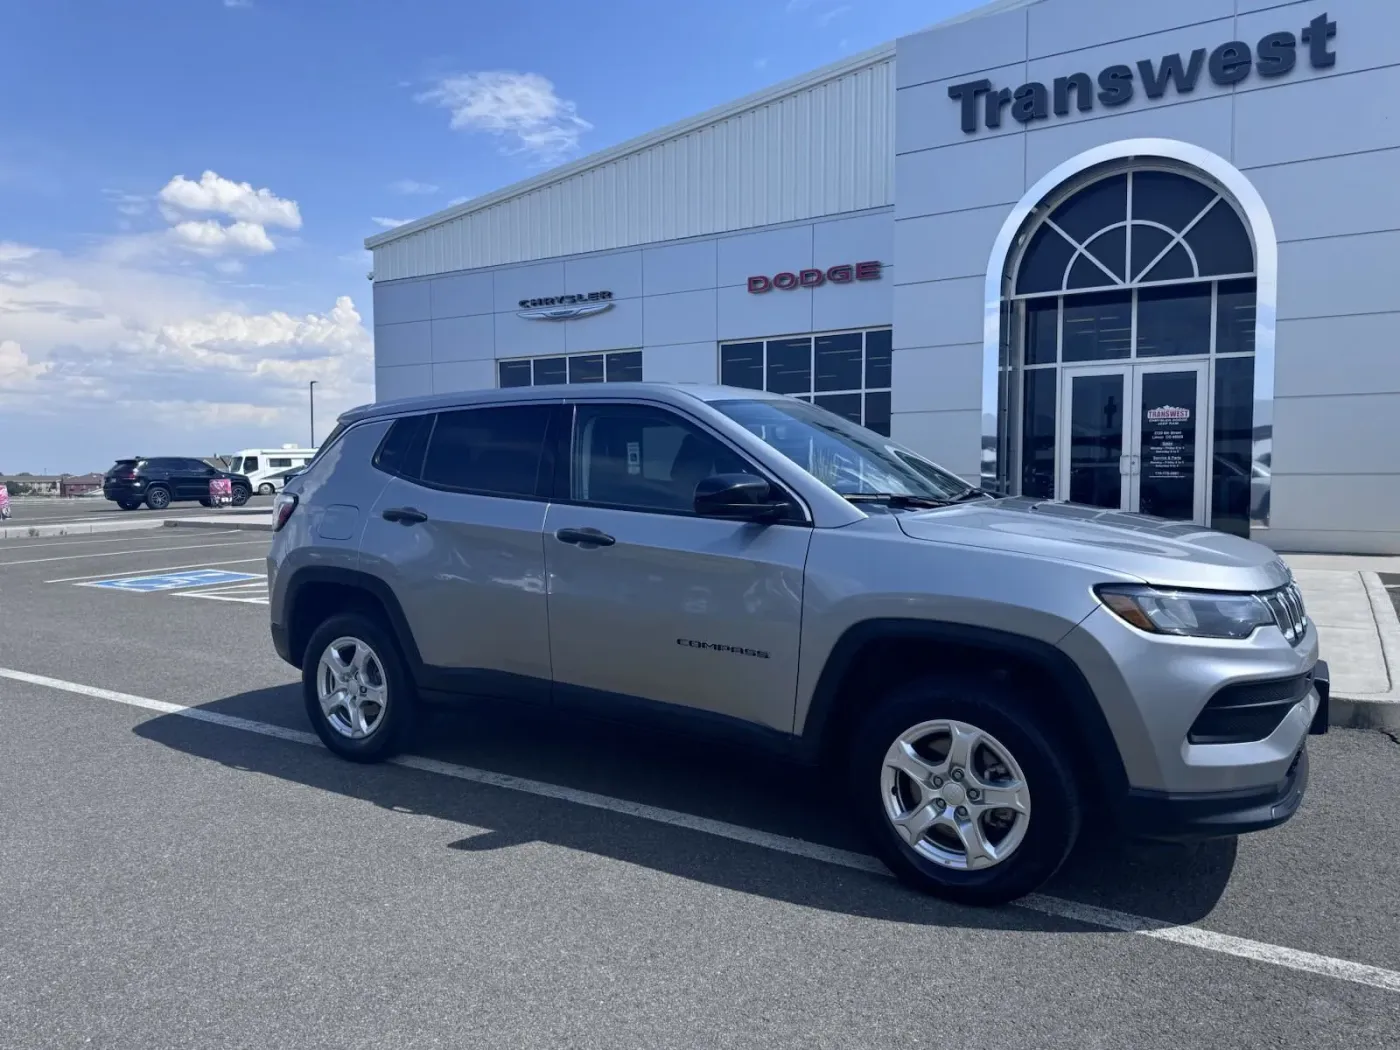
(311, 575)
(1095, 736)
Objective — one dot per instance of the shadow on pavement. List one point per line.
(1173, 883)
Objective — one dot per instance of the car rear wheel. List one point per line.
(240, 495)
(267, 489)
(963, 790)
(357, 691)
(157, 497)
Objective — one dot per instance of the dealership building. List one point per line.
(1135, 255)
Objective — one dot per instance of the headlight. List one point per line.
(1190, 614)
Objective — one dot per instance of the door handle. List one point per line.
(404, 515)
(585, 537)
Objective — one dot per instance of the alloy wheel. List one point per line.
(351, 688)
(955, 794)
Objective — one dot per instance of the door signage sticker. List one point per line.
(1168, 413)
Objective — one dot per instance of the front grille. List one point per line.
(1248, 711)
(1286, 605)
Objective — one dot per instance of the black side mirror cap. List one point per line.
(737, 497)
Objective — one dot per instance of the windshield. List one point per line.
(841, 455)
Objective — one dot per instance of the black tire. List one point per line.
(126, 504)
(267, 489)
(157, 497)
(394, 727)
(996, 707)
(206, 502)
(240, 495)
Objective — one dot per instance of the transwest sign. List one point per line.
(1275, 55)
(563, 307)
(843, 274)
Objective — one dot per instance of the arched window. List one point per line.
(1135, 228)
(1127, 265)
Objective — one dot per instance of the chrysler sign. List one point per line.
(563, 307)
(843, 274)
(1275, 55)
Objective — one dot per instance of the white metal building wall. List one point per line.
(821, 150)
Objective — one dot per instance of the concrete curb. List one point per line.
(1375, 710)
(74, 528)
(232, 523)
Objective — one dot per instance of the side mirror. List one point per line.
(737, 497)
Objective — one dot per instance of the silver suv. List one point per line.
(988, 674)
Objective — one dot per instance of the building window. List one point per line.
(623, 366)
(844, 372)
(1134, 294)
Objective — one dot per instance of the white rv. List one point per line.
(266, 467)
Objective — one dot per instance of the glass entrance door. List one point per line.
(1094, 430)
(1131, 438)
(1169, 442)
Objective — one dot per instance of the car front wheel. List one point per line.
(963, 791)
(357, 692)
(240, 495)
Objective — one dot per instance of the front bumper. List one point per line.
(1167, 815)
(1161, 815)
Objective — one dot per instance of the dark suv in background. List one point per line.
(163, 480)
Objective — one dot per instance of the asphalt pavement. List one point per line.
(183, 866)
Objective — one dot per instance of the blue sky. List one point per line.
(149, 307)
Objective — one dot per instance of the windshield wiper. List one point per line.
(897, 500)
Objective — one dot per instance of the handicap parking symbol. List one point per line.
(173, 581)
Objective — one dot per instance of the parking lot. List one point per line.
(184, 865)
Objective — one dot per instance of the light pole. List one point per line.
(311, 394)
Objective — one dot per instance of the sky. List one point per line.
(186, 185)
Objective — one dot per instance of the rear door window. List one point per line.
(497, 451)
(401, 451)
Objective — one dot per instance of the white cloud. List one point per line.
(102, 357)
(17, 372)
(827, 17)
(760, 63)
(238, 3)
(131, 204)
(214, 194)
(210, 237)
(521, 108)
(411, 187)
(388, 224)
(457, 200)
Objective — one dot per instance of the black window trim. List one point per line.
(562, 488)
(543, 477)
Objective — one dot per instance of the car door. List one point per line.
(667, 606)
(456, 535)
(195, 476)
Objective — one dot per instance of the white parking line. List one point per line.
(142, 550)
(109, 575)
(82, 541)
(254, 592)
(1194, 936)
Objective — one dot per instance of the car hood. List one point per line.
(1166, 553)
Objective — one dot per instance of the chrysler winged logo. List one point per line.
(563, 307)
